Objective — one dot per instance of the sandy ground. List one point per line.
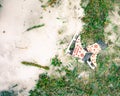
(38, 45)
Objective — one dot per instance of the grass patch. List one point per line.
(96, 13)
(71, 85)
(55, 61)
(104, 81)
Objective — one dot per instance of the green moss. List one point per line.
(96, 13)
(104, 81)
(55, 61)
(35, 65)
(69, 85)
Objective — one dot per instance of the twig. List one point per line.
(36, 26)
(34, 64)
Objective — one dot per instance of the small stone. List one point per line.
(4, 31)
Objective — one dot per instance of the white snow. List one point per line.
(38, 45)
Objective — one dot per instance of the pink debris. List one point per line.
(80, 52)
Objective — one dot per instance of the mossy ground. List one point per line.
(96, 13)
(104, 81)
(101, 83)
